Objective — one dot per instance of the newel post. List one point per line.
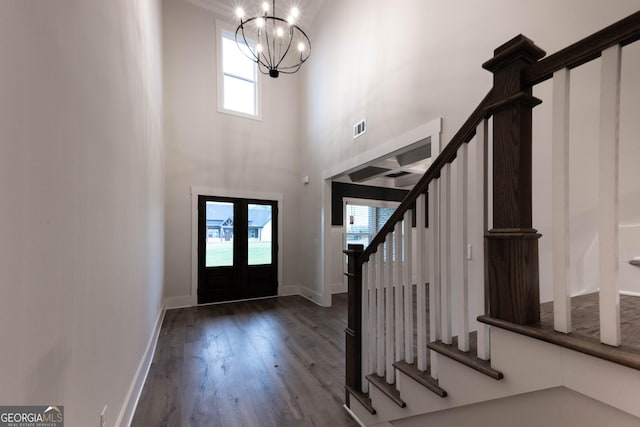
(353, 333)
(512, 244)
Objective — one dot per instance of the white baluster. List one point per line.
(407, 280)
(434, 272)
(421, 279)
(380, 310)
(478, 216)
(398, 288)
(460, 270)
(389, 327)
(560, 201)
(445, 258)
(365, 327)
(373, 304)
(608, 193)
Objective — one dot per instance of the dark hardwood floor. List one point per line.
(585, 317)
(271, 362)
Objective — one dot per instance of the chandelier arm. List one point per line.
(287, 49)
(274, 55)
(266, 41)
(253, 56)
(262, 68)
(308, 41)
(302, 59)
(282, 56)
(289, 70)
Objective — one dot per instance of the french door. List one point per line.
(237, 248)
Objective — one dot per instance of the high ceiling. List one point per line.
(399, 170)
(226, 8)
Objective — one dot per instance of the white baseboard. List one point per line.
(311, 295)
(354, 416)
(287, 290)
(338, 288)
(135, 390)
(630, 293)
(178, 302)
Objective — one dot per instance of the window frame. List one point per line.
(370, 203)
(221, 29)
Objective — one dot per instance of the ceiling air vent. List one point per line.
(359, 128)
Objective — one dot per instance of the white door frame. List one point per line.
(221, 192)
(428, 132)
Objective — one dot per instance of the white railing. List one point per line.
(447, 256)
(608, 171)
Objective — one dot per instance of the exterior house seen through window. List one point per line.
(238, 85)
(364, 221)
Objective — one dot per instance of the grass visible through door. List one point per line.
(221, 254)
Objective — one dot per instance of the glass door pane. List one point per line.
(219, 234)
(260, 228)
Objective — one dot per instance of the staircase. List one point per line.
(468, 328)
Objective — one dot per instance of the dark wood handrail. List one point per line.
(448, 154)
(623, 32)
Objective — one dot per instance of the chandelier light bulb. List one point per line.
(259, 47)
(291, 19)
(295, 12)
(260, 22)
(265, 6)
(240, 13)
(279, 32)
(301, 47)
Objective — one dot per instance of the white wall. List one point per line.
(221, 151)
(81, 217)
(422, 61)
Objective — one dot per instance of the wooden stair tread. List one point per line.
(623, 355)
(361, 397)
(421, 377)
(466, 358)
(388, 390)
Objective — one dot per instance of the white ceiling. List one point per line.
(226, 8)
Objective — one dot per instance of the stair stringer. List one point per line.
(528, 365)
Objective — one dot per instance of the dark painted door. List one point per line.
(237, 248)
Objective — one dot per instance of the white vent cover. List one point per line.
(359, 128)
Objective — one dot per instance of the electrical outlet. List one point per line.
(103, 417)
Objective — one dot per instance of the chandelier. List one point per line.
(275, 44)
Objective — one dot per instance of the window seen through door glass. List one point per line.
(260, 230)
(364, 222)
(219, 245)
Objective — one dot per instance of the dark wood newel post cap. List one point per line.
(519, 47)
